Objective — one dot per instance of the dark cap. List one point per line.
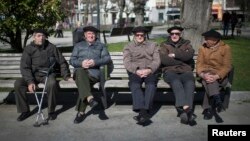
(212, 33)
(40, 30)
(90, 28)
(139, 29)
(175, 28)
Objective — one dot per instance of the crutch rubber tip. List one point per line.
(36, 124)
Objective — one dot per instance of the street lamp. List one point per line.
(98, 16)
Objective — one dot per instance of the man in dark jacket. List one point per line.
(87, 57)
(39, 56)
(177, 60)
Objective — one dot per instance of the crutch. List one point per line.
(40, 116)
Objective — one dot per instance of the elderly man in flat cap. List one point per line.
(87, 57)
(38, 56)
(141, 60)
(177, 62)
(213, 65)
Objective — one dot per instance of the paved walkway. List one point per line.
(117, 124)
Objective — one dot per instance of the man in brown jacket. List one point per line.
(213, 65)
(141, 59)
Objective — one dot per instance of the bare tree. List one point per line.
(121, 4)
(196, 18)
(128, 10)
(139, 11)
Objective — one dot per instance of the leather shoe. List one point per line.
(207, 114)
(23, 116)
(184, 118)
(52, 116)
(143, 118)
(137, 118)
(93, 103)
(79, 118)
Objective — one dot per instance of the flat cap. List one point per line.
(40, 30)
(140, 29)
(175, 28)
(212, 33)
(90, 28)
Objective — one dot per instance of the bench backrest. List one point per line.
(119, 71)
(10, 64)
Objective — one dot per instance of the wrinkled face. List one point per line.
(90, 36)
(175, 35)
(211, 41)
(39, 38)
(139, 37)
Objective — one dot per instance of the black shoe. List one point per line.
(79, 118)
(137, 118)
(93, 103)
(52, 116)
(144, 118)
(207, 114)
(184, 118)
(179, 111)
(23, 116)
(191, 118)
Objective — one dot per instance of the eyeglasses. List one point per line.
(173, 33)
(139, 35)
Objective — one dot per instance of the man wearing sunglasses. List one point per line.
(141, 60)
(177, 63)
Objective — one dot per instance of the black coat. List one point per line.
(37, 58)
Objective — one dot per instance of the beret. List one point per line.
(40, 30)
(212, 33)
(90, 28)
(140, 29)
(175, 28)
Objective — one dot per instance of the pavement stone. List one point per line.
(116, 124)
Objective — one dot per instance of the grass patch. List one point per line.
(240, 53)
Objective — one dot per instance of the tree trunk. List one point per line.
(139, 11)
(121, 4)
(27, 36)
(86, 13)
(139, 19)
(16, 40)
(196, 20)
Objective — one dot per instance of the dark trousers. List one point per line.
(142, 100)
(21, 88)
(84, 83)
(212, 89)
(183, 85)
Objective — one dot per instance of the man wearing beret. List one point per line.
(141, 60)
(39, 56)
(177, 62)
(86, 58)
(213, 65)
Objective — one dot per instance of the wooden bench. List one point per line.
(117, 81)
(10, 71)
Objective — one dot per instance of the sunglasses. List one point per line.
(178, 34)
(139, 35)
